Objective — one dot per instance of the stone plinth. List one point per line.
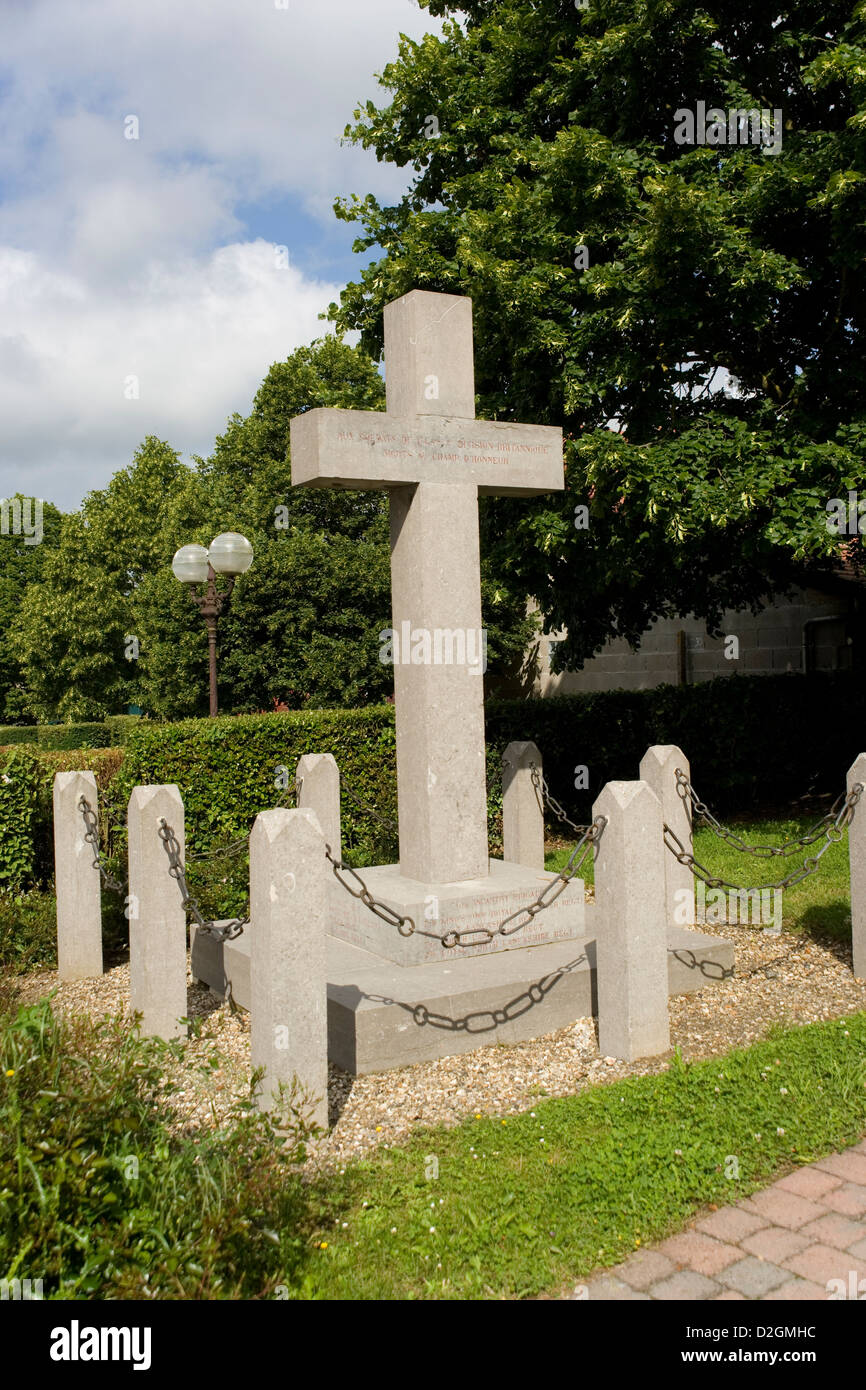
(157, 920)
(437, 908)
(632, 919)
(522, 809)
(317, 781)
(857, 861)
(288, 895)
(658, 768)
(382, 1015)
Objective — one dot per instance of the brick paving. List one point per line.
(785, 1243)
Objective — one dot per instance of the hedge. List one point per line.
(229, 769)
(26, 809)
(753, 742)
(62, 736)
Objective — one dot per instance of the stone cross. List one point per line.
(434, 458)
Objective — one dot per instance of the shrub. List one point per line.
(229, 769)
(118, 726)
(19, 795)
(28, 931)
(92, 735)
(99, 1199)
(752, 741)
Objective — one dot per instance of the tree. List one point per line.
(691, 315)
(75, 620)
(21, 564)
(303, 624)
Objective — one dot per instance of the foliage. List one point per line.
(28, 931)
(20, 566)
(719, 322)
(19, 790)
(752, 741)
(230, 769)
(76, 620)
(99, 1199)
(26, 807)
(91, 735)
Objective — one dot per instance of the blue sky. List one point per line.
(139, 289)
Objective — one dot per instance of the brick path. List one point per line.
(783, 1243)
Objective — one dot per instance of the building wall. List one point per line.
(769, 643)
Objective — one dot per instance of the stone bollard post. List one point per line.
(658, 769)
(157, 920)
(79, 897)
(288, 977)
(632, 939)
(857, 860)
(522, 807)
(318, 782)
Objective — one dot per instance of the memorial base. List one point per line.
(475, 905)
(382, 1015)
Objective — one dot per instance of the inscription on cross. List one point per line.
(434, 457)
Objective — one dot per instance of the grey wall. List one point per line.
(769, 644)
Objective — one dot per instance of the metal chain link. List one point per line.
(482, 936)
(833, 833)
(91, 835)
(686, 791)
(369, 810)
(591, 836)
(242, 842)
(546, 797)
(387, 914)
(171, 845)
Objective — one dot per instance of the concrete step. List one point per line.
(383, 1015)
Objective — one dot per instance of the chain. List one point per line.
(481, 936)
(176, 869)
(522, 918)
(387, 914)
(687, 792)
(833, 834)
(242, 843)
(91, 835)
(362, 805)
(545, 797)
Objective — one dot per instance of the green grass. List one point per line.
(821, 903)
(527, 1203)
(101, 1198)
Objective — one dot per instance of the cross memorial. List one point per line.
(432, 455)
(435, 458)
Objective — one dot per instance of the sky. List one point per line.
(153, 157)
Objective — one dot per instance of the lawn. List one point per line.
(508, 1207)
(821, 903)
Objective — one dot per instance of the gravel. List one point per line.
(779, 979)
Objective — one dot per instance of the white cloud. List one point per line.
(122, 256)
(197, 334)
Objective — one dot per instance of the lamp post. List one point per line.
(230, 554)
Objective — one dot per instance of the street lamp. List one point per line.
(230, 554)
